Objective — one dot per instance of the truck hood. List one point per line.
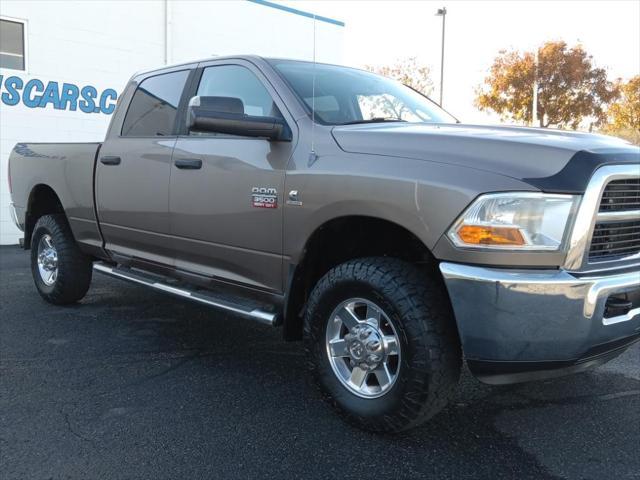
(552, 160)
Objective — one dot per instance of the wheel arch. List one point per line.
(325, 248)
(43, 200)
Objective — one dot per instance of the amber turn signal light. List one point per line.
(487, 235)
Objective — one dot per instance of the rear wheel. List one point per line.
(61, 272)
(381, 343)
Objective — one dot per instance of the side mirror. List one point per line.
(226, 115)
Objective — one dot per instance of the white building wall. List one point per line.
(102, 43)
(202, 29)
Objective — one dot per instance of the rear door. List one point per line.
(133, 169)
(226, 216)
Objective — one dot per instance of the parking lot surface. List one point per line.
(135, 384)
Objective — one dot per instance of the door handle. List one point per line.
(110, 160)
(189, 163)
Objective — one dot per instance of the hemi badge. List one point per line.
(263, 197)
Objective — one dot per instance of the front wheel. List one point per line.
(61, 272)
(381, 343)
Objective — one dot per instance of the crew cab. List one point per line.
(355, 214)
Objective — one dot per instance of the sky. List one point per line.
(380, 31)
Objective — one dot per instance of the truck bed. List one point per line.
(64, 168)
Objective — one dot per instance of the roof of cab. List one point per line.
(196, 61)
(250, 58)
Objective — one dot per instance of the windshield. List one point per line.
(346, 95)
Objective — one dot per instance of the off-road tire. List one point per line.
(419, 308)
(74, 267)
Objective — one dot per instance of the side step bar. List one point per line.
(200, 296)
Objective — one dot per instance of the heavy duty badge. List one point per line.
(263, 197)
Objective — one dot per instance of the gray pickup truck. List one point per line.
(357, 215)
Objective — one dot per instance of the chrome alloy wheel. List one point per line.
(47, 260)
(363, 348)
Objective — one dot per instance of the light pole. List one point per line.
(442, 12)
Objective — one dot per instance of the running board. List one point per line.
(200, 296)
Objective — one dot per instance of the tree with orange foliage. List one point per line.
(570, 88)
(408, 72)
(624, 115)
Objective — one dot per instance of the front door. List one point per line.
(226, 216)
(133, 169)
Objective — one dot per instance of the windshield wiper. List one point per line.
(374, 120)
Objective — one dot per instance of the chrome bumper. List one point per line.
(535, 320)
(14, 217)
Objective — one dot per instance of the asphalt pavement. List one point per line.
(131, 383)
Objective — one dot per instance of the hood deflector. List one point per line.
(575, 175)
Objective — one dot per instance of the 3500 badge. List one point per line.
(263, 197)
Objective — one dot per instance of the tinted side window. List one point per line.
(152, 111)
(239, 82)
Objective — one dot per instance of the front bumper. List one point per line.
(519, 325)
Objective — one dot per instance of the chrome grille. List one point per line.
(616, 233)
(605, 228)
(612, 241)
(620, 195)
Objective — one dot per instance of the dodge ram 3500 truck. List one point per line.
(357, 215)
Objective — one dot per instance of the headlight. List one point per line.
(515, 221)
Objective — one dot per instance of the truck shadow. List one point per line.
(242, 374)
